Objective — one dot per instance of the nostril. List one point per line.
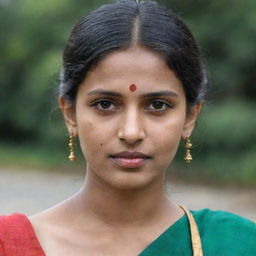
(131, 138)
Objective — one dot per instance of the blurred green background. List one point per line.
(32, 132)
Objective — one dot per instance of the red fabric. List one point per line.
(17, 237)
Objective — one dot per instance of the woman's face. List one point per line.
(130, 102)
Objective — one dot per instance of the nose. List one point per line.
(131, 128)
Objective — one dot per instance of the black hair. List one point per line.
(120, 25)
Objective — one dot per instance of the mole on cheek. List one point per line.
(101, 144)
(133, 87)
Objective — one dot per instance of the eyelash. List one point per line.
(97, 103)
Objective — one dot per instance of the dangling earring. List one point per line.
(72, 156)
(188, 146)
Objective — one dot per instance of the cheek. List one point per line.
(90, 137)
(93, 136)
(167, 137)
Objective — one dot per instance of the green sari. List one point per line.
(222, 234)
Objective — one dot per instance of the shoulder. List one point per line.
(11, 224)
(222, 217)
(9, 228)
(222, 231)
(16, 235)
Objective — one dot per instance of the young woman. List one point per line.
(131, 88)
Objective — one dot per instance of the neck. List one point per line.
(117, 207)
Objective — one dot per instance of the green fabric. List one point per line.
(222, 234)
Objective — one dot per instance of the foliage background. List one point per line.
(32, 133)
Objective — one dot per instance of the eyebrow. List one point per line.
(146, 95)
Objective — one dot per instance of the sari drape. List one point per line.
(222, 234)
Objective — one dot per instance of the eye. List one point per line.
(104, 105)
(159, 105)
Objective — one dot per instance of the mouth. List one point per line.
(131, 160)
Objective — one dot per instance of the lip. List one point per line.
(130, 154)
(127, 159)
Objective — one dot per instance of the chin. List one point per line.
(132, 181)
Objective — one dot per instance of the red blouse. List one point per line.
(17, 237)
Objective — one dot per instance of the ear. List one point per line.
(68, 112)
(190, 121)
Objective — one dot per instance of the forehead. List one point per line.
(137, 65)
(136, 58)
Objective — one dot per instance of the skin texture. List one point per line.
(120, 209)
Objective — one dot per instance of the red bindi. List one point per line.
(133, 87)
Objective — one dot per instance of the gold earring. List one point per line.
(71, 144)
(188, 146)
